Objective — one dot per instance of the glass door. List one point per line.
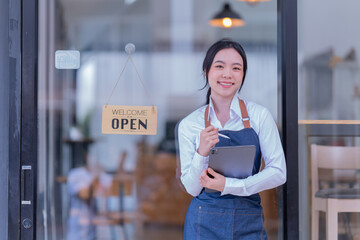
(329, 113)
(102, 186)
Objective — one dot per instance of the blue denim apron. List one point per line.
(212, 216)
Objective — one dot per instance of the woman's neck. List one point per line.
(222, 109)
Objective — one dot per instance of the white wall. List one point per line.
(325, 24)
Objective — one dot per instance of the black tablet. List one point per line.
(233, 161)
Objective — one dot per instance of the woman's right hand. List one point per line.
(208, 138)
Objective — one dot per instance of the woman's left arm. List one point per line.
(274, 173)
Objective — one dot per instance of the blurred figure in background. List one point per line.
(81, 184)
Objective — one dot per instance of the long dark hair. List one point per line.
(209, 58)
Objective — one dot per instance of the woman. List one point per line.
(233, 211)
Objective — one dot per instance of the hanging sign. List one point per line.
(137, 120)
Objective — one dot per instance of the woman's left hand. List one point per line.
(216, 183)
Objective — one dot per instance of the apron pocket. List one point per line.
(249, 224)
(215, 223)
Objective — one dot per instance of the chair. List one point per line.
(332, 200)
(122, 182)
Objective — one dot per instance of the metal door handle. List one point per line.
(24, 169)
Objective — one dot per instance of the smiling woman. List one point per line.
(232, 209)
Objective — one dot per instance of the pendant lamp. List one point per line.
(227, 18)
(253, 2)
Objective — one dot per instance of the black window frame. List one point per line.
(288, 109)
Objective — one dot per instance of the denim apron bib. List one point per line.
(212, 216)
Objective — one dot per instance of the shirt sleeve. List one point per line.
(274, 173)
(192, 163)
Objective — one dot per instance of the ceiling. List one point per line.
(157, 24)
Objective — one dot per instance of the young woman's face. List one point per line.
(226, 73)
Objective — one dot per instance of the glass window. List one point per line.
(125, 185)
(329, 80)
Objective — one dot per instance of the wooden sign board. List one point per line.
(133, 120)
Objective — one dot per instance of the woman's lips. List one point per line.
(226, 84)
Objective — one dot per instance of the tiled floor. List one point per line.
(152, 232)
(160, 232)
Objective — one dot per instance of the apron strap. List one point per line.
(207, 117)
(244, 115)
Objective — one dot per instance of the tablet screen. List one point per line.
(233, 161)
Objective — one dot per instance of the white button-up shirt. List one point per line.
(192, 163)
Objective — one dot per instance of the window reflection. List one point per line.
(329, 79)
(140, 197)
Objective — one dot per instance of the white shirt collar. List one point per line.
(234, 108)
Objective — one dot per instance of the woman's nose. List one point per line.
(226, 73)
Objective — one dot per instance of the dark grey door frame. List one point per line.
(10, 120)
(21, 107)
(288, 109)
(19, 118)
(29, 125)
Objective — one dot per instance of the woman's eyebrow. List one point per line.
(218, 61)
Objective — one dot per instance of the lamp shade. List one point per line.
(227, 18)
(253, 1)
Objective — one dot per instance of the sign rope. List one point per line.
(128, 49)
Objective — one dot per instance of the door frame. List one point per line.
(20, 159)
(10, 104)
(288, 110)
(29, 119)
